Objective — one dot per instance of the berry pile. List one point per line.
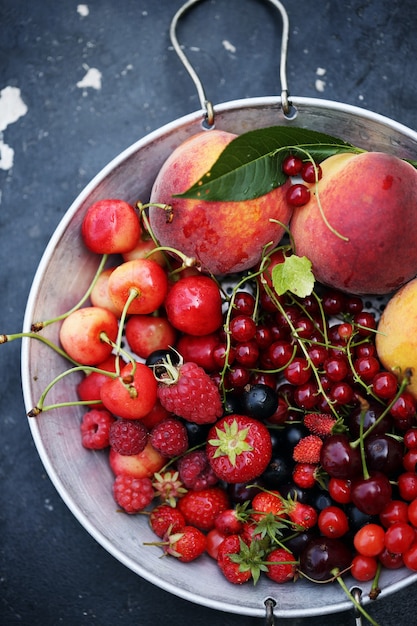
(258, 428)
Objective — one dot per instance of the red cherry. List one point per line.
(298, 195)
(291, 165)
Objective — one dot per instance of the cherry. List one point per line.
(306, 395)
(371, 494)
(292, 165)
(143, 279)
(199, 349)
(310, 172)
(298, 194)
(131, 395)
(336, 368)
(366, 367)
(369, 418)
(339, 459)
(110, 226)
(339, 490)
(364, 568)
(243, 304)
(247, 353)
(410, 438)
(194, 305)
(280, 353)
(407, 486)
(84, 332)
(147, 333)
(394, 511)
(333, 302)
(333, 522)
(369, 540)
(365, 323)
(384, 385)
(410, 557)
(298, 371)
(389, 560)
(322, 555)
(404, 407)
(399, 537)
(384, 454)
(242, 328)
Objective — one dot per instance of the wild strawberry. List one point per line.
(321, 424)
(164, 518)
(240, 562)
(186, 545)
(133, 494)
(307, 450)
(200, 508)
(230, 521)
(238, 448)
(304, 475)
(95, 427)
(168, 487)
(128, 436)
(267, 502)
(302, 516)
(281, 565)
(169, 437)
(188, 391)
(195, 471)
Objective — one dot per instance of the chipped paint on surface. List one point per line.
(228, 46)
(83, 10)
(92, 79)
(12, 108)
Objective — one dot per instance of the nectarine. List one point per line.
(225, 237)
(396, 338)
(366, 242)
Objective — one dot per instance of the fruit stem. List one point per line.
(358, 606)
(39, 408)
(35, 335)
(37, 326)
(362, 446)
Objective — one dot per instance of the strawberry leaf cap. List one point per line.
(231, 441)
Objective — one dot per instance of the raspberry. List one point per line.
(195, 471)
(95, 427)
(132, 494)
(320, 424)
(169, 437)
(165, 518)
(308, 449)
(128, 436)
(189, 392)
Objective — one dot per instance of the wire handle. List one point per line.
(204, 101)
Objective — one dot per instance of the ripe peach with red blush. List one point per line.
(365, 243)
(224, 237)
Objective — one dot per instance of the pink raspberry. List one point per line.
(132, 494)
(128, 436)
(195, 471)
(169, 437)
(95, 428)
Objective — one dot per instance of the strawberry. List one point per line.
(188, 391)
(238, 448)
(267, 502)
(186, 545)
(303, 516)
(230, 521)
(282, 566)
(307, 450)
(321, 424)
(304, 475)
(200, 508)
(165, 518)
(240, 562)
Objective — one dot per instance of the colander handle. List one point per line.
(270, 603)
(204, 101)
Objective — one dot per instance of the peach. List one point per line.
(225, 237)
(370, 200)
(396, 338)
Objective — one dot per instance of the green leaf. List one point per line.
(294, 275)
(251, 165)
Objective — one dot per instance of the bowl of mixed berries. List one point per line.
(210, 364)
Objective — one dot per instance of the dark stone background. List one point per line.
(51, 571)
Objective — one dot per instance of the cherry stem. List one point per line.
(37, 326)
(352, 598)
(39, 408)
(35, 335)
